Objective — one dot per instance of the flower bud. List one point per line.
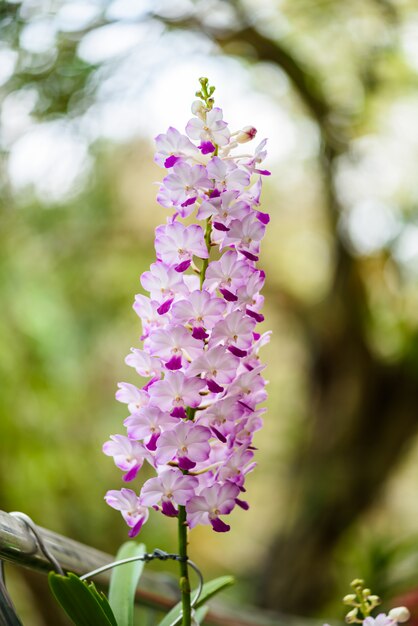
(357, 583)
(366, 593)
(246, 134)
(374, 600)
(349, 598)
(399, 614)
(351, 616)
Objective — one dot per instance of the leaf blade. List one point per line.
(124, 581)
(104, 603)
(80, 601)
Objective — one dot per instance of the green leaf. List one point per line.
(124, 581)
(81, 600)
(209, 590)
(104, 603)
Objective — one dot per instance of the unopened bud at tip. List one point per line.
(399, 614)
(246, 134)
(357, 582)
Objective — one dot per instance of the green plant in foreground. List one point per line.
(86, 606)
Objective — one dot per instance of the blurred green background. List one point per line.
(85, 86)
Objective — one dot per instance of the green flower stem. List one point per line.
(184, 571)
(206, 92)
(206, 95)
(208, 232)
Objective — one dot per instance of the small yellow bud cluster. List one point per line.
(362, 601)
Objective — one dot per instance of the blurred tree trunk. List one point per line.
(363, 415)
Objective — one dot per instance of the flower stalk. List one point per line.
(184, 569)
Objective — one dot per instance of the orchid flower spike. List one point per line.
(194, 407)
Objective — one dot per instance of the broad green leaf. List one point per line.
(104, 603)
(81, 601)
(209, 590)
(124, 581)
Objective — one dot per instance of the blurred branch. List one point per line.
(388, 9)
(302, 78)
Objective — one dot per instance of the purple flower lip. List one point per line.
(131, 474)
(152, 443)
(207, 147)
(243, 504)
(135, 530)
(199, 333)
(213, 386)
(182, 267)
(150, 383)
(237, 351)
(174, 363)
(185, 463)
(218, 434)
(228, 295)
(220, 226)
(165, 306)
(168, 508)
(189, 201)
(249, 255)
(219, 526)
(257, 316)
(215, 193)
(170, 161)
(179, 411)
(263, 217)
